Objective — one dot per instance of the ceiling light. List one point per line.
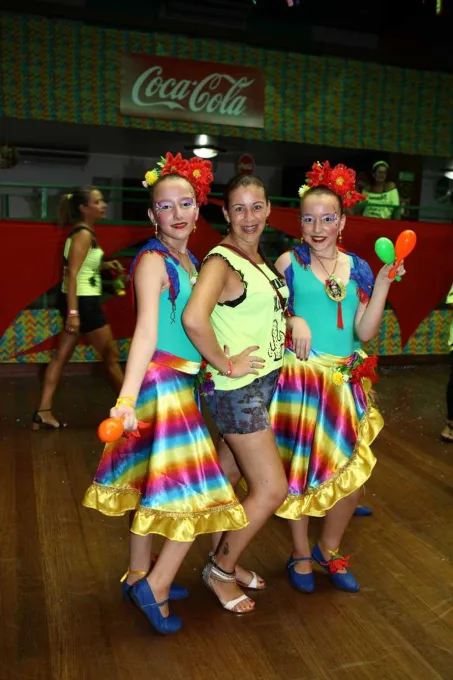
(206, 147)
(205, 152)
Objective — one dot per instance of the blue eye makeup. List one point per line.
(328, 219)
(185, 204)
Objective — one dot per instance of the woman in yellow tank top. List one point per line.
(80, 298)
(382, 197)
(236, 319)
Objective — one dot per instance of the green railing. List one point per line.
(43, 200)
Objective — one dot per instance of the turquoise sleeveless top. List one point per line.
(171, 336)
(320, 312)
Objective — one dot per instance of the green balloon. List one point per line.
(385, 250)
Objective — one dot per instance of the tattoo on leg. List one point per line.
(226, 549)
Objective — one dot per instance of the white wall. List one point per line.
(27, 204)
(433, 171)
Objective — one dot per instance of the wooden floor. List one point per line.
(61, 612)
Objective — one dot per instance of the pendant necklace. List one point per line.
(193, 275)
(334, 288)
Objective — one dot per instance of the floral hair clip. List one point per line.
(340, 180)
(196, 171)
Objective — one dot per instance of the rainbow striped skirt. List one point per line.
(170, 474)
(323, 431)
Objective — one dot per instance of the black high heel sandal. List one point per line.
(38, 422)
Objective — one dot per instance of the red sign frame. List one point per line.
(193, 91)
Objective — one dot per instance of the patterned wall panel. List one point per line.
(32, 327)
(70, 72)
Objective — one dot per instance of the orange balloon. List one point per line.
(405, 244)
(110, 430)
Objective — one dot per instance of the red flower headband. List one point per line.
(340, 180)
(196, 171)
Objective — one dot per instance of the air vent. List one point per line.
(220, 13)
(52, 156)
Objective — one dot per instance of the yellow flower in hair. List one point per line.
(151, 177)
(196, 173)
(337, 378)
(303, 189)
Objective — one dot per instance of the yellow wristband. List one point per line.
(127, 401)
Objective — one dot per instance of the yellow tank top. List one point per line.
(255, 318)
(89, 276)
(382, 206)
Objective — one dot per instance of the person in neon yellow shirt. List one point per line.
(240, 302)
(447, 432)
(79, 300)
(382, 197)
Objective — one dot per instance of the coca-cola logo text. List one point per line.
(151, 89)
(162, 87)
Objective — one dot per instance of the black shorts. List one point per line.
(91, 313)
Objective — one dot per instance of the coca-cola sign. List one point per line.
(197, 91)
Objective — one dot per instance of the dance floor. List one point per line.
(62, 616)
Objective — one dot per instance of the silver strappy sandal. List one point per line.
(213, 572)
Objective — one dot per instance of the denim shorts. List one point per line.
(246, 409)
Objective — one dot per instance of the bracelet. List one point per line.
(126, 401)
(229, 372)
(73, 312)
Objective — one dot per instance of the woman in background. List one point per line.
(382, 197)
(79, 300)
(447, 432)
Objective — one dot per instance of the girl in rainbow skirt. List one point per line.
(165, 470)
(322, 414)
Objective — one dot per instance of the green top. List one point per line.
(320, 312)
(255, 318)
(171, 336)
(383, 206)
(89, 276)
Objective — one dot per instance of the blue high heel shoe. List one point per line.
(345, 581)
(303, 582)
(363, 511)
(176, 592)
(143, 597)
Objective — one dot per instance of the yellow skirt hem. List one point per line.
(177, 526)
(317, 501)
